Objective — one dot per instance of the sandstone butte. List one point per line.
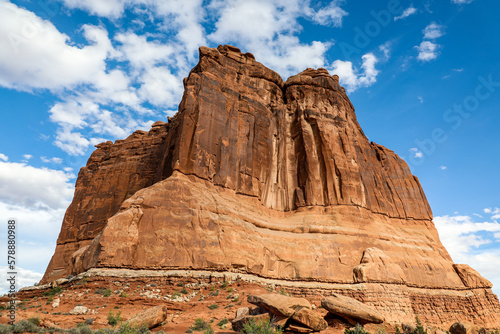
(270, 178)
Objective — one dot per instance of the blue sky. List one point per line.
(424, 77)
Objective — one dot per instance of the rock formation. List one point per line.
(276, 179)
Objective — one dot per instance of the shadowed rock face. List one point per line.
(265, 177)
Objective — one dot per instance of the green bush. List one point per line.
(125, 328)
(222, 322)
(213, 306)
(199, 325)
(356, 330)
(260, 327)
(419, 329)
(184, 291)
(34, 320)
(25, 326)
(397, 331)
(54, 291)
(114, 319)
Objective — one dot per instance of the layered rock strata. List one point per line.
(264, 177)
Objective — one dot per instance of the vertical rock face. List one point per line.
(271, 178)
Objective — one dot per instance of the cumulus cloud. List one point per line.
(354, 78)
(36, 55)
(464, 239)
(433, 31)
(268, 29)
(25, 277)
(427, 51)
(407, 12)
(38, 188)
(331, 15)
(4, 157)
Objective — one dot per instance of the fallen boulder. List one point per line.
(150, 318)
(351, 309)
(466, 328)
(278, 304)
(310, 319)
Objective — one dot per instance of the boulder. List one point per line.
(151, 317)
(279, 305)
(350, 308)
(310, 319)
(79, 310)
(461, 327)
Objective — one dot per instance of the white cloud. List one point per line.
(487, 210)
(407, 12)
(416, 152)
(268, 28)
(27, 156)
(109, 8)
(433, 31)
(38, 188)
(386, 50)
(427, 51)
(463, 239)
(36, 55)
(461, 2)
(4, 157)
(353, 78)
(24, 278)
(331, 15)
(443, 167)
(51, 160)
(420, 99)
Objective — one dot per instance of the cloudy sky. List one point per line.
(424, 77)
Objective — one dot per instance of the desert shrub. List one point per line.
(114, 319)
(5, 329)
(199, 325)
(222, 322)
(25, 326)
(419, 329)
(34, 320)
(396, 329)
(103, 292)
(213, 306)
(260, 327)
(184, 291)
(125, 328)
(358, 329)
(54, 291)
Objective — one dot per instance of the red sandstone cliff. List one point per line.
(271, 178)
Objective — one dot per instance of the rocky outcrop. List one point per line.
(149, 318)
(351, 310)
(268, 178)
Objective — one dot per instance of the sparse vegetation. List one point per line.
(358, 329)
(222, 322)
(103, 292)
(419, 329)
(184, 291)
(199, 325)
(54, 291)
(224, 284)
(260, 327)
(214, 293)
(34, 320)
(114, 319)
(397, 330)
(213, 306)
